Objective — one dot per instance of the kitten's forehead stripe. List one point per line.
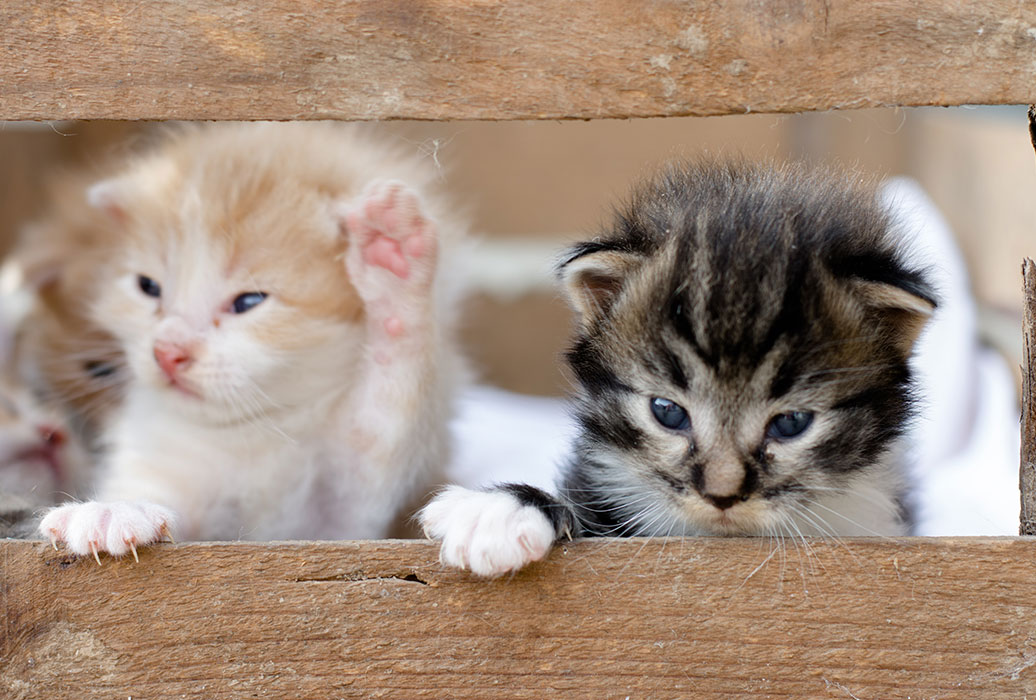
(679, 317)
(784, 378)
(674, 369)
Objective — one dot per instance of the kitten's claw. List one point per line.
(87, 529)
(491, 533)
(54, 542)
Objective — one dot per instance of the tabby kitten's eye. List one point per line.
(789, 425)
(149, 286)
(670, 414)
(247, 301)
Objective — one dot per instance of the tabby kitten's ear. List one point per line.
(594, 274)
(906, 305)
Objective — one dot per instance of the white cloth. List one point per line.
(966, 441)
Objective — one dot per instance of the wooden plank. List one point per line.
(533, 59)
(1028, 456)
(947, 618)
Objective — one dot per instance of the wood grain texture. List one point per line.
(947, 618)
(1027, 479)
(528, 59)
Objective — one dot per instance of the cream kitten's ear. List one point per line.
(908, 305)
(594, 274)
(117, 197)
(110, 197)
(35, 266)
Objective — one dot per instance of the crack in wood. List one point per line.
(362, 576)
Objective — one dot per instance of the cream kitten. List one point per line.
(285, 327)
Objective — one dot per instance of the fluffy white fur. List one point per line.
(488, 532)
(321, 412)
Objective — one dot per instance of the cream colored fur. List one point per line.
(321, 411)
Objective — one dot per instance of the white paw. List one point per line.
(115, 528)
(490, 533)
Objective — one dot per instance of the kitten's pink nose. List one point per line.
(52, 437)
(172, 358)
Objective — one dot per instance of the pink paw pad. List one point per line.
(386, 253)
(416, 246)
(389, 228)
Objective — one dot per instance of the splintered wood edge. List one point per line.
(1027, 480)
(713, 617)
(454, 59)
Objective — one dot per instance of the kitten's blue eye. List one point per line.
(248, 300)
(670, 414)
(149, 286)
(789, 425)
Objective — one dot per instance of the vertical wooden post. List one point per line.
(1027, 479)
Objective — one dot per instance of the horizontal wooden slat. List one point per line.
(1027, 480)
(528, 59)
(720, 618)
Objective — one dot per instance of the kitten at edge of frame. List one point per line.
(741, 360)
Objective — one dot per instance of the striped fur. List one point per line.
(741, 293)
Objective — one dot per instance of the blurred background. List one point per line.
(532, 187)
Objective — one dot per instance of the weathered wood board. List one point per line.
(529, 59)
(705, 617)
(1027, 479)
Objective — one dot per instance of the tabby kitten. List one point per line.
(742, 364)
(274, 292)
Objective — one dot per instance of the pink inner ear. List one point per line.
(106, 197)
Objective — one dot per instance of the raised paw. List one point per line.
(489, 532)
(115, 528)
(389, 232)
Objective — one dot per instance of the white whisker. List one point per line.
(848, 519)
